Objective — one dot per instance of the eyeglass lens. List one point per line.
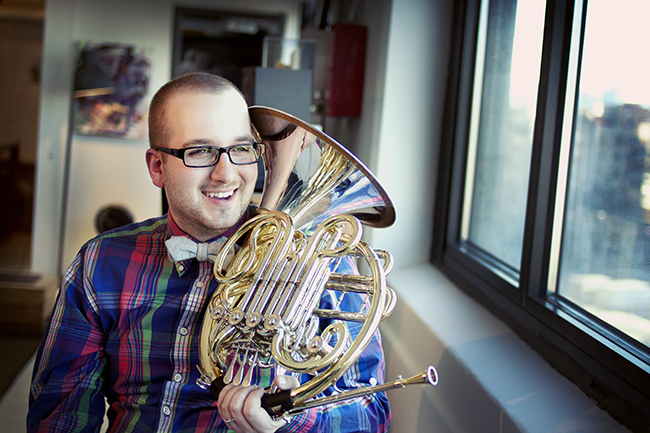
(205, 156)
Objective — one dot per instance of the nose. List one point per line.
(224, 170)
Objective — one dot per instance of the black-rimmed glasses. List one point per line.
(207, 156)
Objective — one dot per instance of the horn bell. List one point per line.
(311, 177)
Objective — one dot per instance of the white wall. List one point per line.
(411, 122)
(103, 170)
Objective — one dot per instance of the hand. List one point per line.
(242, 405)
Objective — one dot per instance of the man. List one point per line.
(126, 325)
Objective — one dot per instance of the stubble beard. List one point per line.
(196, 218)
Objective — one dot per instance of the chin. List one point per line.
(224, 222)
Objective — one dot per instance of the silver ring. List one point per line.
(228, 420)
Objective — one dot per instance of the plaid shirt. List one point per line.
(125, 331)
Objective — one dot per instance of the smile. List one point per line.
(219, 195)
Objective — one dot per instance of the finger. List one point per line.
(258, 418)
(224, 403)
(236, 407)
(286, 382)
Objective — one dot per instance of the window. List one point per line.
(543, 206)
(500, 141)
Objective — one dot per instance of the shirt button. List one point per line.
(183, 331)
(199, 284)
(167, 410)
(178, 377)
(181, 267)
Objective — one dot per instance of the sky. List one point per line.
(616, 56)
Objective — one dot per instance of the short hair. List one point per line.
(196, 82)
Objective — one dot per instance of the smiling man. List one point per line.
(205, 201)
(126, 325)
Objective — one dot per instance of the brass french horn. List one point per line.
(274, 270)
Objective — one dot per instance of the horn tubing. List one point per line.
(274, 268)
(429, 376)
(281, 403)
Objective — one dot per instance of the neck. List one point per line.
(178, 230)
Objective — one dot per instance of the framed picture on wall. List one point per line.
(110, 91)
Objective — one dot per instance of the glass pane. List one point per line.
(507, 74)
(605, 254)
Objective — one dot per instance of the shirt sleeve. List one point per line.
(65, 394)
(370, 413)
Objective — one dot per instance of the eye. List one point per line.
(200, 151)
(242, 149)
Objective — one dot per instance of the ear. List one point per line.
(154, 164)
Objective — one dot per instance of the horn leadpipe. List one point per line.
(279, 404)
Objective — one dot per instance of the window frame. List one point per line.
(591, 354)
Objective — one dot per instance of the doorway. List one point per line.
(21, 35)
(221, 42)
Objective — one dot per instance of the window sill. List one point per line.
(490, 380)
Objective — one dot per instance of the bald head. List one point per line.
(192, 83)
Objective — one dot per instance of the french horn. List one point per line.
(273, 271)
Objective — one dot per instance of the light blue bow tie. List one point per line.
(182, 248)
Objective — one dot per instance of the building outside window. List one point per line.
(545, 175)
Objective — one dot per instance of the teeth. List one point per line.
(219, 194)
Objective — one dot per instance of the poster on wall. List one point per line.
(111, 85)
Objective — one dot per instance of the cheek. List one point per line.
(249, 174)
(180, 184)
(182, 177)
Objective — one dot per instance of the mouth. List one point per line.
(219, 195)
